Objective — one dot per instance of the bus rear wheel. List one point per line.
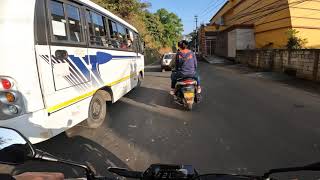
(139, 80)
(98, 111)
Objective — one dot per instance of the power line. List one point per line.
(208, 6)
(214, 9)
(275, 11)
(268, 7)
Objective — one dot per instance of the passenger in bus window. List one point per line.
(114, 41)
(124, 44)
(104, 40)
(129, 43)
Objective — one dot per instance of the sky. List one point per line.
(187, 9)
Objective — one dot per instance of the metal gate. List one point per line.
(210, 45)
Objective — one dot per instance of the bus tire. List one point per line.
(98, 111)
(139, 81)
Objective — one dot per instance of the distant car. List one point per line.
(167, 61)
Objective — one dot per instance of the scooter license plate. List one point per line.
(188, 95)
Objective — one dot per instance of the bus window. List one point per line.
(58, 21)
(114, 34)
(98, 35)
(74, 23)
(89, 21)
(130, 39)
(122, 36)
(136, 42)
(139, 43)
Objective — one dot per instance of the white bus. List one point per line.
(60, 62)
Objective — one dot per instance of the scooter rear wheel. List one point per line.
(189, 107)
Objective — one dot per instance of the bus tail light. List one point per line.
(10, 97)
(11, 103)
(6, 84)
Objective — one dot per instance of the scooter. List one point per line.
(15, 149)
(186, 93)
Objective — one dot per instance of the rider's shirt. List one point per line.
(186, 62)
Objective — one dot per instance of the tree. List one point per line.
(295, 42)
(123, 8)
(194, 39)
(155, 27)
(172, 27)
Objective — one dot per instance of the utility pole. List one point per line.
(196, 39)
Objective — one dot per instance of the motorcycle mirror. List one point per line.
(14, 147)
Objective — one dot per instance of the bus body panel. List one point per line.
(18, 52)
(57, 91)
(118, 72)
(38, 126)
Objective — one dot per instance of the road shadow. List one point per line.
(78, 149)
(291, 81)
(153, 97)
(153, 131)
(305, 85)
(238, 68)
(158, 75)
(152, 68)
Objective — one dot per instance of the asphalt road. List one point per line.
(247, 123)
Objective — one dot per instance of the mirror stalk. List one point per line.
(48, 157)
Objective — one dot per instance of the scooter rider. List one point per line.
(186, 66)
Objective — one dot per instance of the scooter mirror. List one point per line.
(14, 147)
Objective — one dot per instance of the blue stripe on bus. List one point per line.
(95, 61)
(120, 57)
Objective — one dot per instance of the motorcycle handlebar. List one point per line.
(96, 178)
(105, 178)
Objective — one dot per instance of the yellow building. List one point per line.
(265, 22)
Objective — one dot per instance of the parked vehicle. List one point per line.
(186, 93)
(166, 62)
(60, 62)
(15, 149)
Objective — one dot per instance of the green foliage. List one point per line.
(194, 38)
(154, 26)
(172, 27)
(123, 8)
(294, 41)
(159, 30)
